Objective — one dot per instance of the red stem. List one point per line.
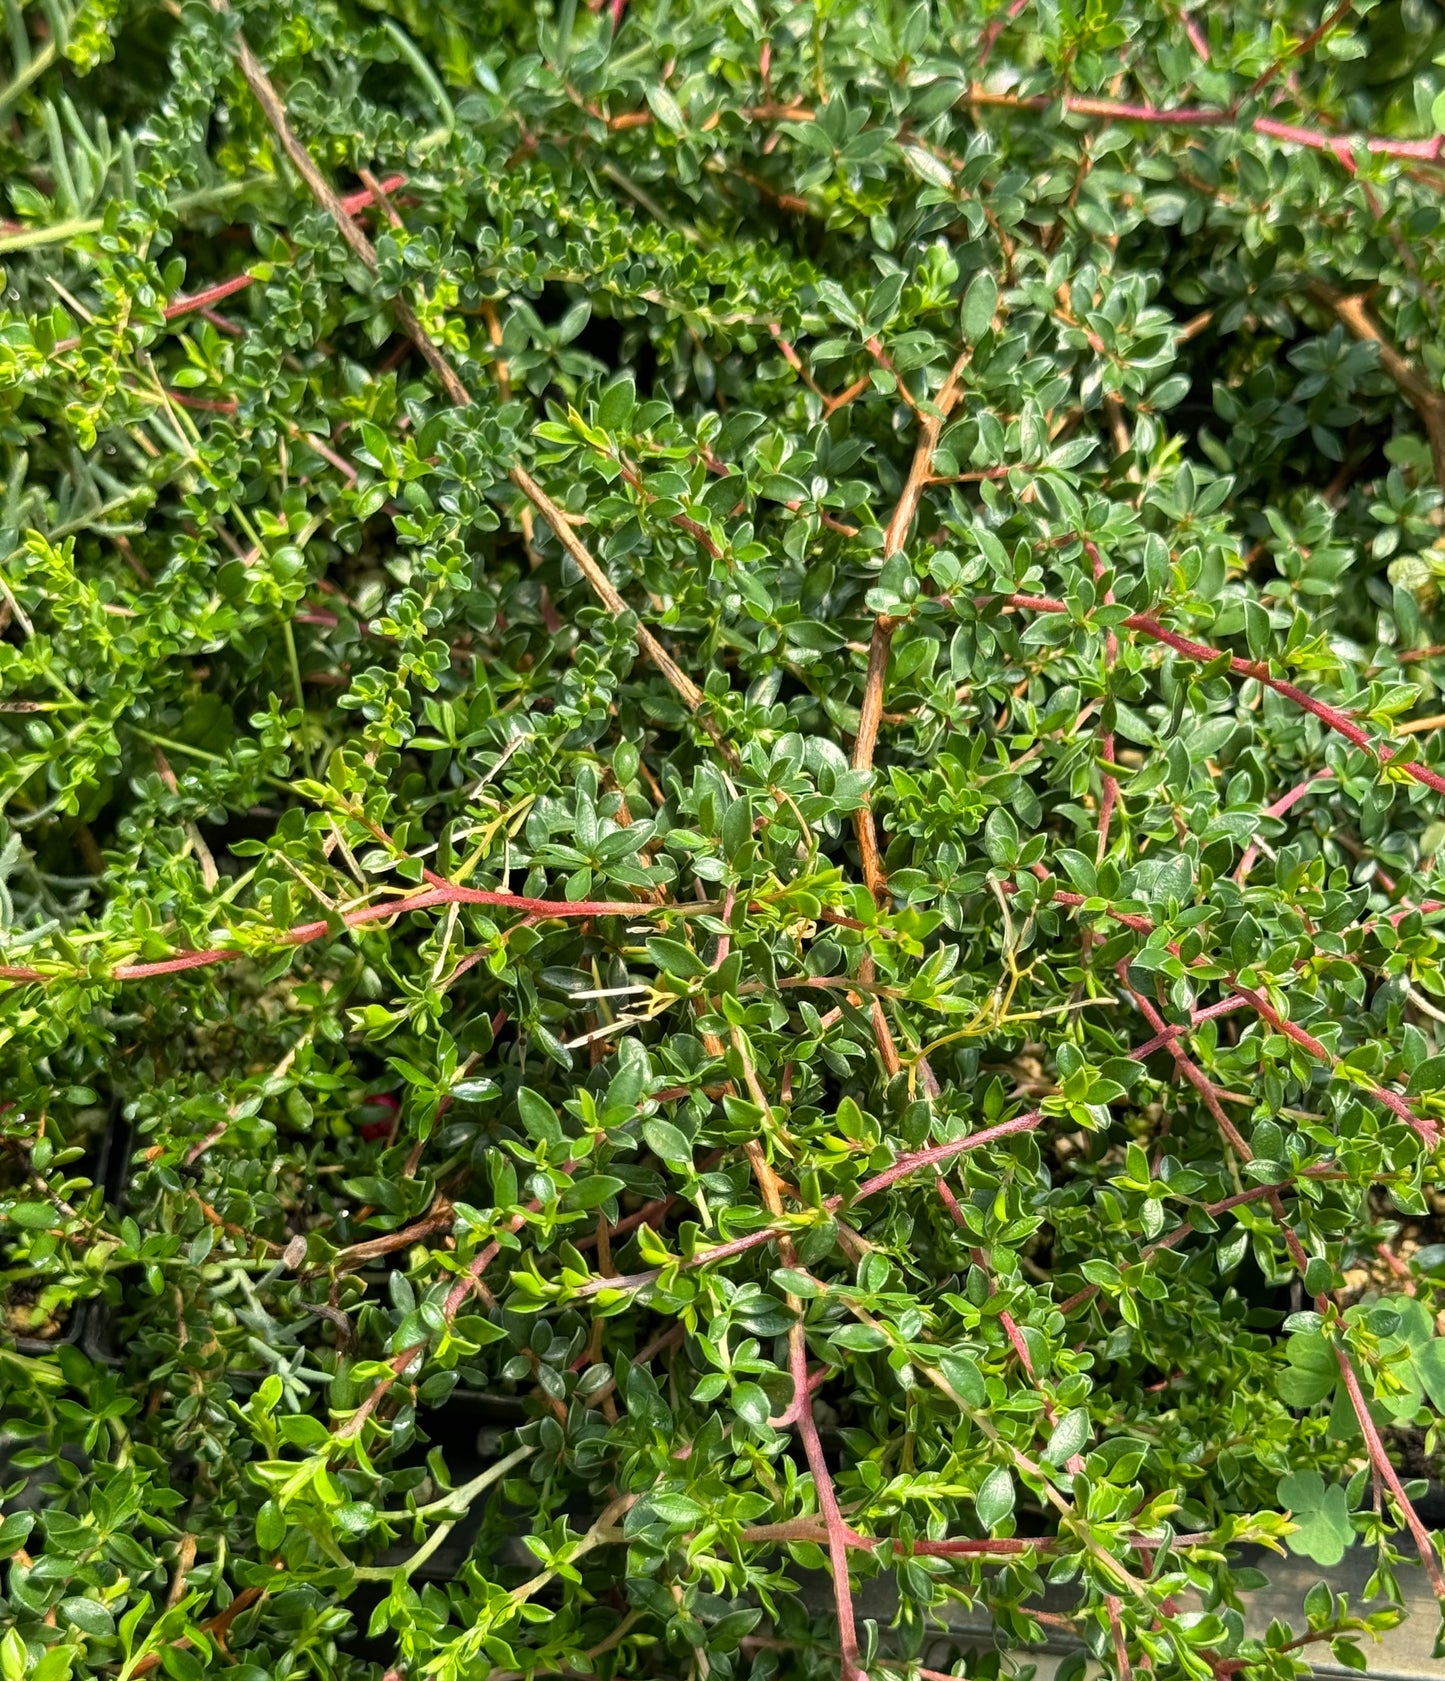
(1189, 1069)
(1006, 1319)
(1106, 742)
(1341, 146)
(904, 1166)
(239, 282)
(458, 1294)
(1116, 1628)
(1331, 716)
(211, 295)
(1196, 38)
(1334, 719)
(838, 1531)
(1172, 1240)
(1311, 40)
(994, 30)
(1278, 809)
(1225, 1007)
(809, 1529)
(936, 1153)
(441, 893)
(1426, 1130)
(1381, 1462)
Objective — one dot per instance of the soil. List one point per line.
(1387, 1271)
(20, 1316)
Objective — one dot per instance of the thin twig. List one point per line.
(1257, 670)
(1310, 41)
(1421, 393)
(1340, 146)
(870, 712)
(801, 1411)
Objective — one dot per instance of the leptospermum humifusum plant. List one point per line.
(719, 719)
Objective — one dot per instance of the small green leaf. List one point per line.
(676, 1509)
(89, 1616)
(860, 1339)
(665, 108)
(995, 1498)
(592, 1191)
(34, 1216)
(538, 1117)
(14, 1531)
(965, 1378)
(616, 405)
(796, 1282)
(751, 1404)
(1322, 1513)
(473, 1091)
(1070, 1436)
(1001, 838)
(665, 1139)
(672, 957)
(14, 1658)
(980, 302)
(1430, 1364)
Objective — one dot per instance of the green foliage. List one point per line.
(1013, 436)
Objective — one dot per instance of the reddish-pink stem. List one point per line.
(1110, 794)
(1426, 1130)
(1334, 719)
(950, 1202)
(838, 1531)
(1189, 1069)
(1172, 1240)
(1311, 40)
(239, 282)
(1331, 716)
(1196, 38)
(1006, 1319)
(996, 28)
(936, 1153)
(1226, 1006)
(1380, 1460)
(441, 893)
(1395, 918)
(901, 1169)
(325, 451)
(1380, 1464)
(458, 1294)
(1341, 146)
(1278, 809)
(211, 295)
(1116, 1629)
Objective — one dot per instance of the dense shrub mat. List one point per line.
(744, 755)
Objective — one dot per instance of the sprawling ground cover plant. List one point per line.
(742, 753)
